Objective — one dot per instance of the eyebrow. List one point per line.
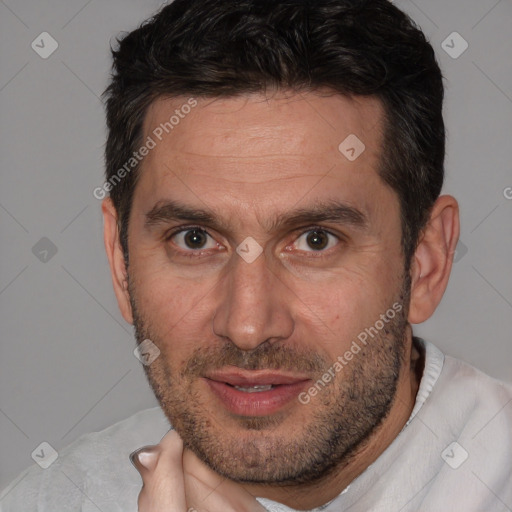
(168, 211)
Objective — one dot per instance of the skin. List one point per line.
(249, 160)
(175, 480)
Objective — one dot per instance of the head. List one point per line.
(286, 204)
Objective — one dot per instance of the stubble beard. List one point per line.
(342, 418)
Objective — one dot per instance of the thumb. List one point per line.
(161, 470)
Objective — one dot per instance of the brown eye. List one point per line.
(193, 239)
(315, 240)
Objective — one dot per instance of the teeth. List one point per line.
(254, 389)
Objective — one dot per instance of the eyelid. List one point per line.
(189, 252)
(307, 229)
(179, 229)
(298, 232)
(304, 231)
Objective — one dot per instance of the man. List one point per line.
(274, 227)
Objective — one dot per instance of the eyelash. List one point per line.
(199, 253)
(177, 231)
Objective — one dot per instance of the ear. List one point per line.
(432, 261)
(116, 258)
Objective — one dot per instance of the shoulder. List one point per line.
(470, 393)
(473, 408)
(469, 415)
(93, 472)
(454, 390)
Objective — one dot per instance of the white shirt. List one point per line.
(453, 455)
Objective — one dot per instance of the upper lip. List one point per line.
(239, 377)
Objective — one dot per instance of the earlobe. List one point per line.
(432, 260)
(116, 258)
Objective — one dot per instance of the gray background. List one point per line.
(67, 364)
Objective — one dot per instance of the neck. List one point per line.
(309, 496)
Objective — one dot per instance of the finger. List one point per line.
(207, 491)
(161, 470)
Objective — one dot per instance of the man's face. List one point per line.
(331, 267)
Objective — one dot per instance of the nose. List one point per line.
(254, 306)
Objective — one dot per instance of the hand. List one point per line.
(175, 480)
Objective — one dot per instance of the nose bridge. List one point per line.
(252, 308)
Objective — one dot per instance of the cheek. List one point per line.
(334, 313)
(169, 304)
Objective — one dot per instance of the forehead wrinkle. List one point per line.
(263, 181)
(259, 156)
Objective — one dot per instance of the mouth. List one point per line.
(256, 392)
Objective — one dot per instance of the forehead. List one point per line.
(301, 124)
(266, 150)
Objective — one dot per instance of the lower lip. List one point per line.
(260, 403)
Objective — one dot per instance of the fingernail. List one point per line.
(146, 457)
